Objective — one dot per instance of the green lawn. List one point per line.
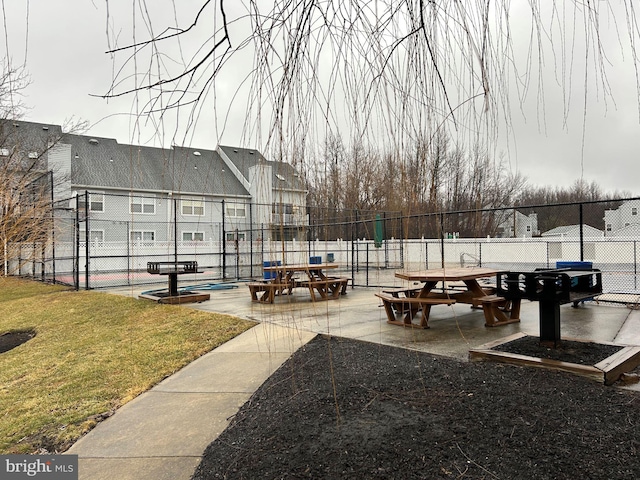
(92, 353)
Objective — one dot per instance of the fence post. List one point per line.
(175, 230)
(86, 241)
(53, 232)
(367, 279)
(76, 249)
(224, 244)
(441, 239)
(581, 235)
(251, 240)
(128, 239)
(426, 255)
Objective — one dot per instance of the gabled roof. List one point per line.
(284, 176)
(22, 139)
(571, 229)
(104, 163)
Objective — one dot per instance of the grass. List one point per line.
(92, 353)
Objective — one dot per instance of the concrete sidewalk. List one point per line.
(162, 434)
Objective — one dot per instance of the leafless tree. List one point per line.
(28, 179)
(397, 78)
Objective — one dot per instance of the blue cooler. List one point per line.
(270, 263)
(575, 265)
(315, 260)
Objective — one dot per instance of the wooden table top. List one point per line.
(448, 274)
(301, 267)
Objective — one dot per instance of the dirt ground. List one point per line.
(347, 409)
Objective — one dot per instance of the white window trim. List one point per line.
(142, 232)
(91, 195)
(192, 233)
(231, 237)
(199, 200)
(234, 206)
(83, 235)
(142, 200)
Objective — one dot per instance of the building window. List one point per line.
(145, 205)
(232, 237)
(95, 236)
(608, 227)
(280, 208)
(96, 202)
(634, 211)
(192, 207)
(142, 236)
(192, 236)
(528, 228)
(236, 210)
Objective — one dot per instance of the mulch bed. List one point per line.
(583, 353)
(11, 340)
(348, 409)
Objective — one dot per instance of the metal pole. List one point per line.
(635, 265)
(86, 241)
(224, 244)
(76, 248)
(581, 236)
(175, 230)
(442, 240)
(251, 240)
(53, 233)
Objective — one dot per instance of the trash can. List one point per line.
(315, 260)
(270, 263)
(330, 257)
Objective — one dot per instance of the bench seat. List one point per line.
(328, 288)
(410, 307)
(268, 290)
(401, 291)
(496, 308)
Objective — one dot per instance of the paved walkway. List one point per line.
(162, 434)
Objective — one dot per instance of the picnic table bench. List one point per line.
(321, 286)
(328, 288)
(457, 285)
(410, 306)
(265, 292)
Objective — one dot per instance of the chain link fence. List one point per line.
(103, 240)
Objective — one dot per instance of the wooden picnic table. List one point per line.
(285, 279)
(459, 285)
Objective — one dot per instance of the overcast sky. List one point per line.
(63, 45)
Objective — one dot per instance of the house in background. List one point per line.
(518, 225)
(276, 188)
(573, 231)
(624, 220)
(136, 192)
